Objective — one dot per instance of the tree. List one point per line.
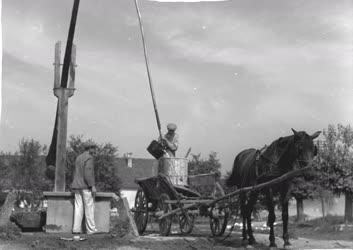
(105, 173)
(27, 168)
(6, 171)
(200, 166)
(335, 163)
(303, 188)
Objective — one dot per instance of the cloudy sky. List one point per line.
(231, 75)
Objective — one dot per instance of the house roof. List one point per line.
(139, 168)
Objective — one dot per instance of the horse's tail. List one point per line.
(231, 180)
(243, 169)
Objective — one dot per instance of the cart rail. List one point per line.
(241, 190)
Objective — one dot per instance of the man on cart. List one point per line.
(170, 141)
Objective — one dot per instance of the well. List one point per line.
(60, 211)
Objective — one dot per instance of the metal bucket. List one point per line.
(176, 169)
(155, 149)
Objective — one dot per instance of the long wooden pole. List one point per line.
(241, 190)
(68, 50)
(148, 69)
(63, 93)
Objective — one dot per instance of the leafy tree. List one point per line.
(106, 177)
(6, 171)
(199, 166)
(303, 188)
(27, 168)
(335, 163)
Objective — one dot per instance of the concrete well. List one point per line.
(60, 211)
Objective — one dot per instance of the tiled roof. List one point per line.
(139, 168)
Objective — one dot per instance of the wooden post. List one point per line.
(57, 65)
(63, 95)
(72, 68)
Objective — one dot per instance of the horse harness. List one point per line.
(266, 168)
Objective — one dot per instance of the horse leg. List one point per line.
(251, 203)
(271, 216)
(243, 216)
(284, 203)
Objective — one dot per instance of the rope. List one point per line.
(230, 231)
(230, 202)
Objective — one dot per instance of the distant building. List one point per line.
(128, 169)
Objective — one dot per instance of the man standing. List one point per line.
(83, 186)
(170, 140)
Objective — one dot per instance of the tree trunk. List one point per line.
(300, 210)
(323, 206)
(348, 214)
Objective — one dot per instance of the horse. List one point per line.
(252, 167)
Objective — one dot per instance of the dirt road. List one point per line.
(156, 242)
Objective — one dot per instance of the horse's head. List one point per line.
(304, 147)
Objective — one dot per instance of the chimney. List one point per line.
(128, 157)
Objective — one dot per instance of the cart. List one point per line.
(158, 198)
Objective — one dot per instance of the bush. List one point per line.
(10, 231)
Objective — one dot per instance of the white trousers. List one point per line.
(84, 205)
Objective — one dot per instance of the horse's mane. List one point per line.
(277, 148)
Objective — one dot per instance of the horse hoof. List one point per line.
(244, 242)
(273, 246)
(287, 246)
(249, 247)
(252, 241)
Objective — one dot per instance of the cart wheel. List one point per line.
(219, 214)
(218, 220)
(165, 223)
(141, 211)
(186, 223)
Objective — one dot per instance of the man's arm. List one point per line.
(174, 144)
(89, 173)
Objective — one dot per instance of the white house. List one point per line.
(128, 169)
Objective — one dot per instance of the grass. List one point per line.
(325, 222)
(329, 228)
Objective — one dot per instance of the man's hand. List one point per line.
(163, 143)
(94, 191)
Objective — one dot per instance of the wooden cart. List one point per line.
(157, 197)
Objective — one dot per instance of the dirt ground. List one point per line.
(304, 237)
(153, 241)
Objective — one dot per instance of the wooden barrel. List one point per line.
(175, 168)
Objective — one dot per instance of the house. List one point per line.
(128, 169)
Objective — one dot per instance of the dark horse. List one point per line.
(253, 166)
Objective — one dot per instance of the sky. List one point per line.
(231, 75)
